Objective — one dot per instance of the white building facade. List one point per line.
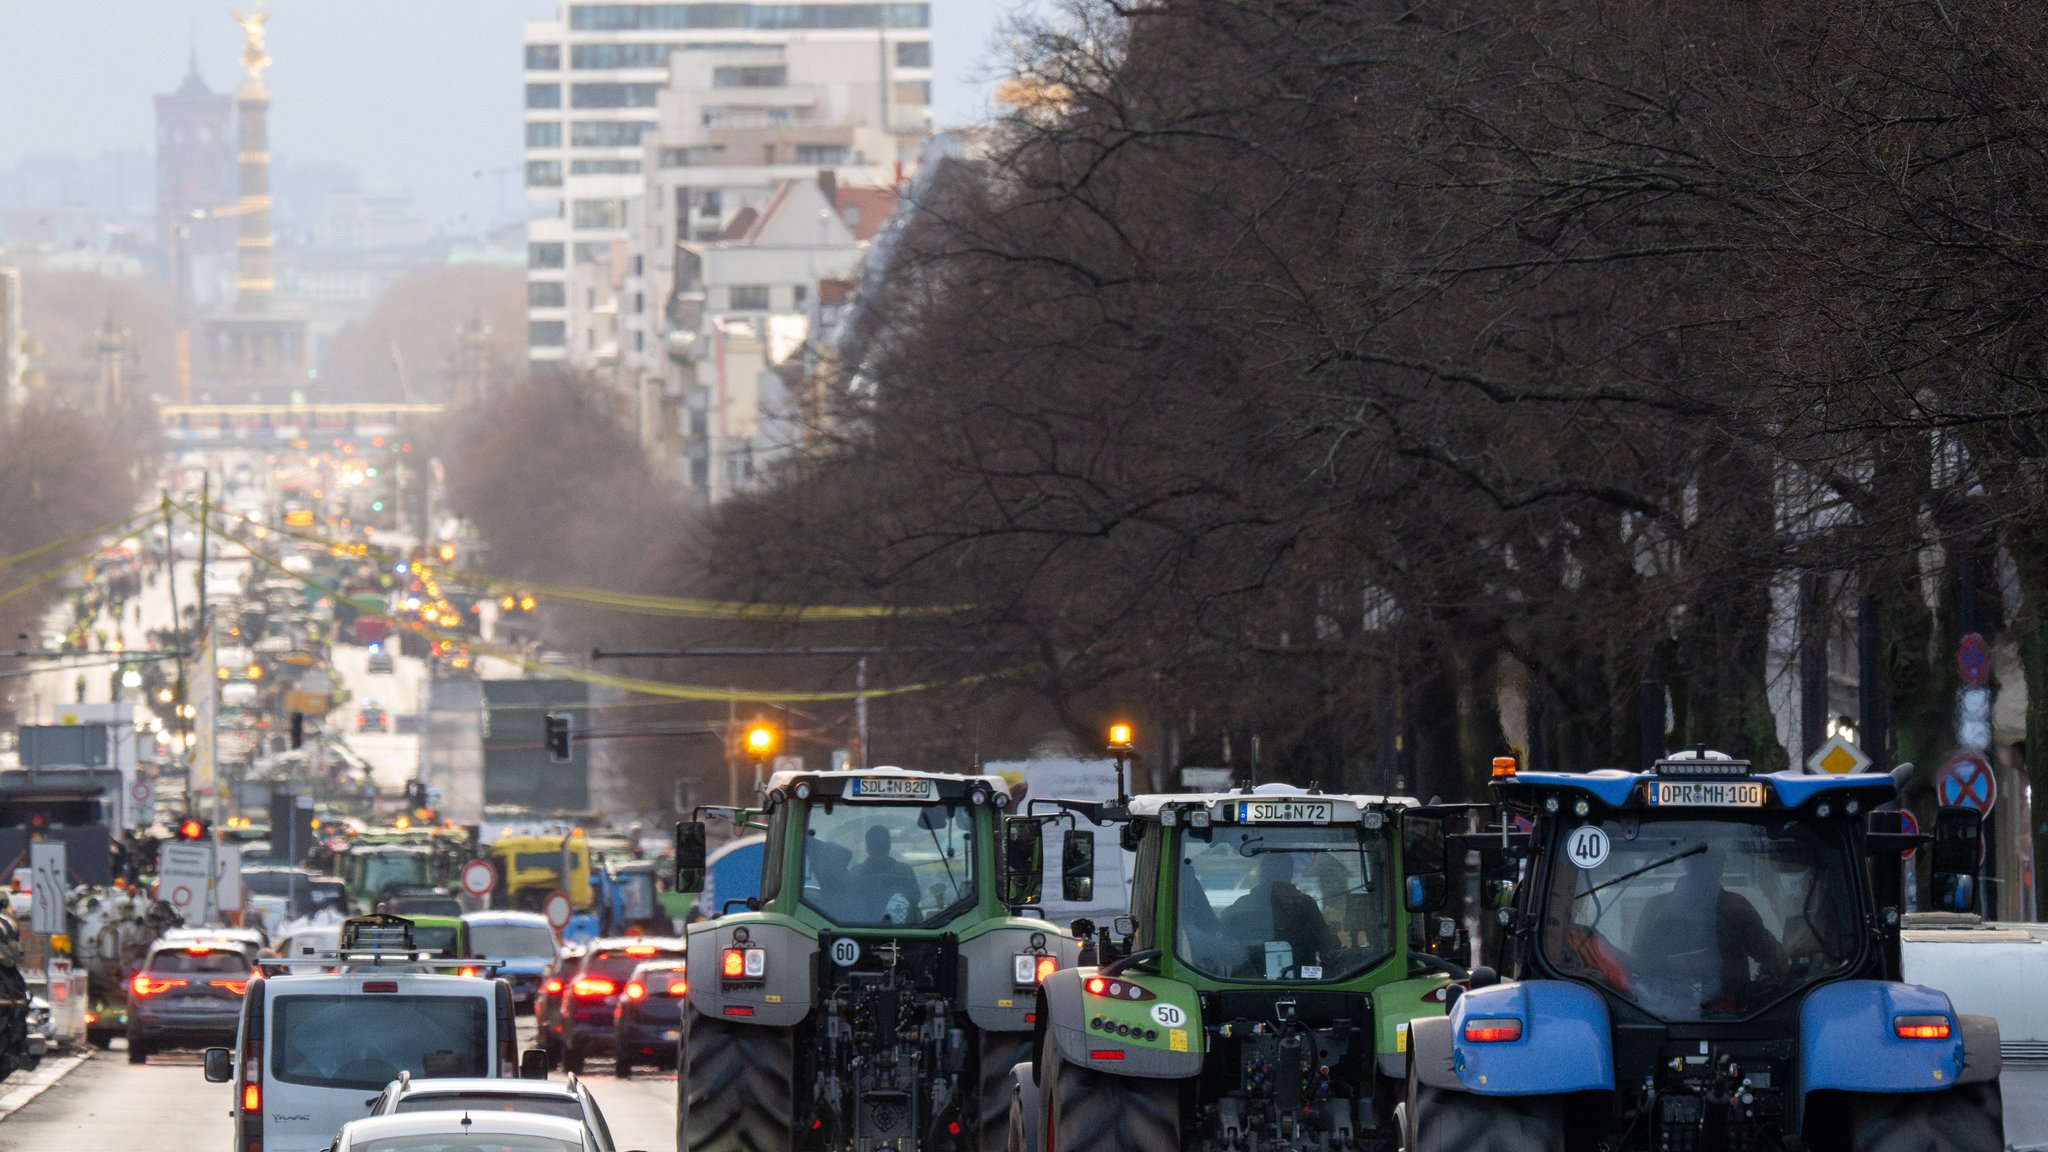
(600, 88)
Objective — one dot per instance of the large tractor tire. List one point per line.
(1966, 1119)
(1443, 1120)
(996, 1056)
(1090, 1111)
(738, 1086)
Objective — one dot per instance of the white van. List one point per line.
(311, 1049)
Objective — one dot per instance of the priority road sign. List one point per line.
(1966, 782)
(478, 878)
(1838, 757)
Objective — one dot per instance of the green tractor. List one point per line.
(877, 992)
(1258, 999)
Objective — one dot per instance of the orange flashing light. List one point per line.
(252, 1097)
(1047, 965)
(1503, 766)
(733, 964)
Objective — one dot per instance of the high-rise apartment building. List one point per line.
(595, 78)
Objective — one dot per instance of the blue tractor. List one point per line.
(1700, 957)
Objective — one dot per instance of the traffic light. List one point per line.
(192, 828)
(298, 729)
(559, 725)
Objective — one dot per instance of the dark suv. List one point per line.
(648, 1018)
(576, 1021)
(186, 994)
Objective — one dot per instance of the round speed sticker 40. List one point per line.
(1587, 846)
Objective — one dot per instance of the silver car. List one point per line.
(562, 1099)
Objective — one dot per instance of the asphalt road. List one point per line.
(109, 1105)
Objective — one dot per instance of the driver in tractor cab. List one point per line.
(886, 881)
(1275, 910)
(1713, 954)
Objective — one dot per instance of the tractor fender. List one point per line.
(784, 994)
(1173, 1018)
(988, 984)
(1395, 1007)
(1848, 1041)
(1566, 1042)
(1983, 1057)
(1429, 1050)
(1026, 1089)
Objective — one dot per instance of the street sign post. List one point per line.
(1838, 757)
(47, 888)
(557, 910)
(478, 878)
(1966, 781)
(1910, 827)
(183, 874)
(1973, 660)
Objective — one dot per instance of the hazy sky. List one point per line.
(420, 93)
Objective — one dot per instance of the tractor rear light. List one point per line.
(593, 987)
(743, 963)
(1105, 1054)
(1929, 1027)
(1022, 968)
(635, 990)
(142, 985)
(1492, 1030)
(238, 987)
(757, 963)
(739, 1010)
(1047, 965)
(1118, 989)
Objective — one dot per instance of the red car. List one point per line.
(576, 1014)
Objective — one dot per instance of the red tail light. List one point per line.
(142, 985)
(680, 986)
(238, 987)
(1928, 1027)
(641, 950)
(1493, 1030)
(635, 990)
(592, 987)
(198, 949)
(554, 987)
(252, 1097)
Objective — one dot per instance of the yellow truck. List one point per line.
(530, 867)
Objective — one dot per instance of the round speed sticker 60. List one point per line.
(1587, 846)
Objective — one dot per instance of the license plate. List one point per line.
(1284, 811)
(1707, 794)
(890, 788)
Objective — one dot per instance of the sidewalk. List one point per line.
(16, 1091)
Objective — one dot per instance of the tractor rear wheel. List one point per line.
(1090, 1111)
(1443, 1120)
(1970, 1118)
(997, 1054)
(739, 1087)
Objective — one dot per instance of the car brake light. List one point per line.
(635, 990)
(680, 986)
(252, 1097)
(198, 949)
(554, 987)
(142, 985)
(1929, 1027)
(641, 950)
(238, 987)
(591, 987)
(1492, 1030)
(380, 986)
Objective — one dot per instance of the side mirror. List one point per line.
(1425, 858)
(1958, 855)
(1023, 860)
(1077, 866)
(220, 1065)
(689, 856)
(533, 1064)
(1425, 893)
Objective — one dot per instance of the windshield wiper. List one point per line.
(1650, 867)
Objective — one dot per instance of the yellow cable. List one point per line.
(53, 545)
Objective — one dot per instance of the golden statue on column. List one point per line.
(254, 58)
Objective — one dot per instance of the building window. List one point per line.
(688, 157)
(543, 58)
(726, 14)
(612, 95)
(823, 155)
(544, 255)
(639, 265)
(594, 57)
(802, 294)
(543, 134)
(599, 214)
(913, 92)
(639, 341)
(543, 173)
(546, 294)
(608, 133)
(750, 76)
(593, 251)
(604, 167)
(543, 95)
(639, 303)
(914, 54)
(749, 297)
(547, 333)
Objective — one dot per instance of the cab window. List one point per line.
(871, 865)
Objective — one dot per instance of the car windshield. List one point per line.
(365, 1041)
(436, 938)
(475, 1142)
(619, 965)
(382, 870)
(871, 865)
(565, 1107)
(1283, 903)
(210, 960)
(1696, 919)
(511, 941)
